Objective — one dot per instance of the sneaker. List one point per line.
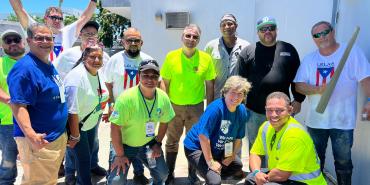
(170, 179)
(99, 171)
(70, 180)
(141, 179)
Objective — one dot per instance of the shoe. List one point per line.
(170, 179)
(61, 171)
(141, 179)
(70, 180)
(99, 171)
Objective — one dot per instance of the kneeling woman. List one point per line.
(86, 98)
(211, 146)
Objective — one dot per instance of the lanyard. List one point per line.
(146, 106)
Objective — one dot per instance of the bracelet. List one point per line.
(72, 138)
(255, 172)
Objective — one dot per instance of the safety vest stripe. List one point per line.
(264, 132)
(306, 176)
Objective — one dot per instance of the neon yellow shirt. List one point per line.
(187, 76)
(296, 154)
(6, 64)
(131, 114)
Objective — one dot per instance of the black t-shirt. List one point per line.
(269, 69)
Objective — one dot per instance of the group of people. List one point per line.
(53, 98)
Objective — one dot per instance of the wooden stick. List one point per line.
(333, 81)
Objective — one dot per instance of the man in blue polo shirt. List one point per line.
(39, 108)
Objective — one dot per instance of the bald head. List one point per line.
(132, 42)
(131, 32)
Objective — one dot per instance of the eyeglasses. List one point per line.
(267, 28)
(277, 111)
(90, 34)
(16, 40)
(55, 18)
(100, 58)
(43, 38)
(320, 34)
(134, 41)
(273, 141)
(151, 77)
(189, 36)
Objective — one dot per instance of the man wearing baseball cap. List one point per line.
(225, 51)
(14, 47)
(270, 65)
(137, 112)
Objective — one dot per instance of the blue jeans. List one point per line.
(8, 147)
(159, 173)
(253, 124)
(341, 141)
(82, 154)
(136, 163)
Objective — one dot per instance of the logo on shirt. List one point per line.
(285, 54)
(225, 126)
(114, 114)
(323, 71)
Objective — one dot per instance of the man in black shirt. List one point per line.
(271, 66)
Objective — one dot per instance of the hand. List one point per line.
(215, 166)
(296, 107)
(120, 162)
(105, 118)
(157, 151)
(72, 143)
(38, 141)
(228, 160)
(366, 110)
(321, 89)
(261, 178)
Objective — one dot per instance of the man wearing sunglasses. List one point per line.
(225, 51)
(339, 119)
(64, 37)
(271, 66)
(122, 74)
(287, 147)
(188, 75)
(13, 44)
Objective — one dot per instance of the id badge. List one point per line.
(149, 129)
(228, 149)
(62, 94)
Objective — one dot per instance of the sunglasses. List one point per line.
(55, 18)
(189, 36)
(135, 41)
(43, 38)
(320, 34)
(267, 28)
(16, 40)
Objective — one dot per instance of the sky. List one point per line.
(39, 6)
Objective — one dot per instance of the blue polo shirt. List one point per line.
(34, 83)
(219, 125)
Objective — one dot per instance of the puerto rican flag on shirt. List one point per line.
(130, 78)
(322, 75)
(58, 49)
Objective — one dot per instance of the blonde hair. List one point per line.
(236, 82)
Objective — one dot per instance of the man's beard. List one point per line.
(133, 54)
(16, 53)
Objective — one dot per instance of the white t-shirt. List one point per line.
(122, 71)
(63, 40)
(82, 96)
(68, 59)
(316, 69)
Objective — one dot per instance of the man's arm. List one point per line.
(365, 83)
(157, 151)
(111, 97)
(255, 165)
(86, 16)
(120, 160)
(210, 90)
(4, 98)
(307, 89)
(22, 116)
(276, 175)
(165, 85)
(21, 13)
(74, 128)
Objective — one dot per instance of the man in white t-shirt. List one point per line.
(121, 74)
(339, 119)
(64, 37)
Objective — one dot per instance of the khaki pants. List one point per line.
(186, 116)
(41, 167)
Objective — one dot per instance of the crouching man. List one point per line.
(288, 148)
(136, 114)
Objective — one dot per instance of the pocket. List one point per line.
(24, 149)
(46, 154)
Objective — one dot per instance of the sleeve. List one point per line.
(107, 72)
(296, 62)
(293, 155)
(120, 111)
(166, 68)
(22, 88)
(210, 120)
(241, 63)
(59, 64)
(302, 74)
(244, 114)
(360, 65)
(169, 113)
(208, 49)
(72, 99)
(257, 147)
(69, 35)
(211, 73)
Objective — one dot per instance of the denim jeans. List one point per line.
(8, 147)
(136, 163)
(70, 162)
(159, 173)
(82, 153)
(341, 141)
(253, 124)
